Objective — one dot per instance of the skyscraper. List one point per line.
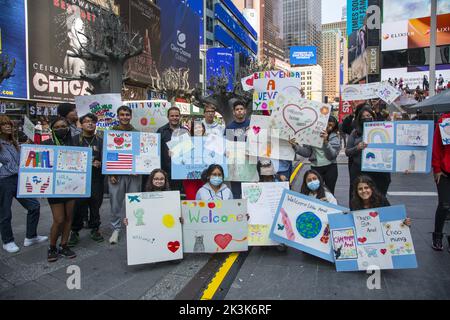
(302, 24)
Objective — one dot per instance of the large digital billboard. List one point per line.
(218, 59)
(303, 55)
(419, 31)
(180, 36)
(398, 10)
(356, 13)
(13, 46)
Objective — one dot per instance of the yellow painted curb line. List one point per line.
(210, 291)
(294, 174)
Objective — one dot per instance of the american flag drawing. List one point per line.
(119, 162)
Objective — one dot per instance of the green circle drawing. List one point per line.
(308, 225)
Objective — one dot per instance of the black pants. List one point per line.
(93, 204)
(329, 174)
(443, 209)
(236, 189)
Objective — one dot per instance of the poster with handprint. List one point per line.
(54, 172)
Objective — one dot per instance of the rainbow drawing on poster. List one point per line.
(379, 132)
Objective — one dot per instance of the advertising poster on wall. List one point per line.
(13, 46)
(53, 27)
(220, 60)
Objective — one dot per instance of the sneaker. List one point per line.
(74, 239)
(96, 236)
(437, 242)
(114, 237)
(38, 239)
(66, 252)
(52, 254)
(11, 247)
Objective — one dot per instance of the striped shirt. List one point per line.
(9, 159)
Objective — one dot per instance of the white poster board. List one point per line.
(28, 128)
(444, 127)
(154, 228)
(148, 115)
(104, 106)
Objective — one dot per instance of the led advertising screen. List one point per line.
(303, 55)
(218, 59)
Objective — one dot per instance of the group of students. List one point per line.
(367, 190)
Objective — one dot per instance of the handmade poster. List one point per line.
(269, 84)
(354, 92)
(148, 115)
(410, 150)
(374, 237)
(154, 229)
(104, 106)
(264, 142)
(412, 134)
(54, 172)
(28, 128)
(211, 227)
(191, 164)
(180, 144)
(301, 119)
(129, 152)
(301, 222)
(262, 204)
(381, 160)
(241, 167)
(388, 93)
(444, 128)
(215, 143)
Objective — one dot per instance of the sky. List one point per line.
(332, 10)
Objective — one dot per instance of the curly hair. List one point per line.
(150, 187)
(11, 139)
(376, 199)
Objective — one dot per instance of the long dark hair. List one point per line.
(11, 139)
(150, 187)
(335, 124)
(375, 200)
(210, 170)
(322, 189)
(358, 121)
(68, 139)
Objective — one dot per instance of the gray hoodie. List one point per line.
(330, 149)
(206, 193)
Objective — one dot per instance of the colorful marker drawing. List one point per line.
(287, 224)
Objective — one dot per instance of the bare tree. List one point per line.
(173, 83)
(6, 67)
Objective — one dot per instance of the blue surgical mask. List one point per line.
(313, 185)
(216, 181)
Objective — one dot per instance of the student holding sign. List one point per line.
(314, 186)
(62, 208)
(214, 189)
(9, 169)
(441, 168)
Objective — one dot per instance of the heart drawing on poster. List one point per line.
(223, 240)
(256, 129)
(362, 240)
(119, 140)
(173, 246)
(383, 251)
(373, 214)
(249, 81)
(298, 118)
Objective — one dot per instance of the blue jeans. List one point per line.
(8, 191)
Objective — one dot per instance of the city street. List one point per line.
(264, 273)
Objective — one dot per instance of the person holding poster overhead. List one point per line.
(323, 160)
(88, 138)
(121, 185)
(9, 169)
(441, 169)
(314, 186)
(355, 146)
(62, 208)
(214, 188)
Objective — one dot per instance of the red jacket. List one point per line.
(441, 154)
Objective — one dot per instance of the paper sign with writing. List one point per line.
(218, 226)
(262, 203)
(444, 128)
(355, 249)
(354, 92)
(127, 152)
(301, 119)
(54, 172)
(269, 84)
(154, 229)
(148, 115)
(28, 128)
(241, 167)
(104, 106)
(301, 222)
(388, 93)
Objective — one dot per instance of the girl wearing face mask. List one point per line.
(214, 188)
(323, 160)
(62, 208)
(355, 146)
(314, 186)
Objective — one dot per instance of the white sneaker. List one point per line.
(11, 247)
(38, 239)
(114, 237)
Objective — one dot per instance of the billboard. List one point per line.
(218, 58)
(394, 35)
(303, 55)
(413, 79)
(356, 13)
(419, 31)
(143, 17)
(13, 45)
(395, 10)
(180, 35)
(53, 27)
